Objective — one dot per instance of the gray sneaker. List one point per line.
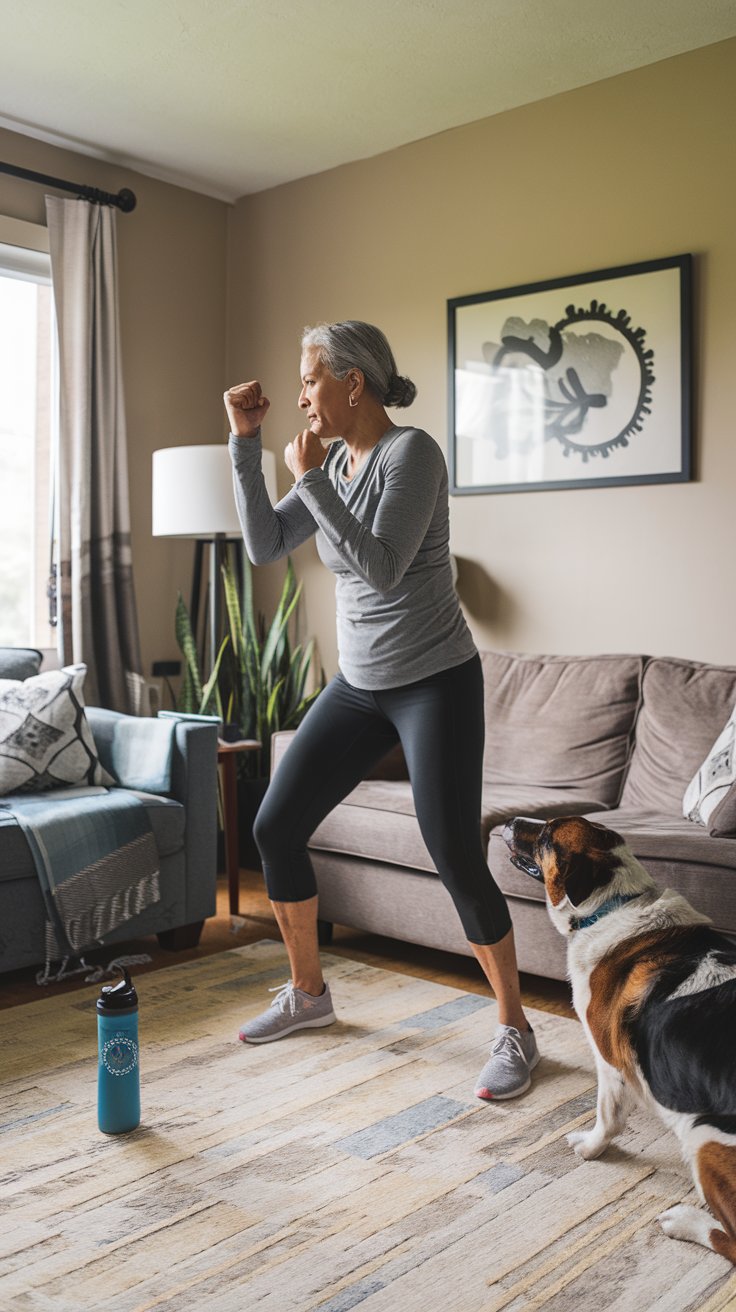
(507, 1073)
(291, 1009)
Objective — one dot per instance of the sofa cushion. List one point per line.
(378, 821)
(19, 662)
(45, 740)
(651, 834)
(553, 720)
(685, 706)
(166, 818)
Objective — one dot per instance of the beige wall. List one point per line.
(629, 169)
(633, 168)
(172, 256)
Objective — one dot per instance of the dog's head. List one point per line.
(577, 860)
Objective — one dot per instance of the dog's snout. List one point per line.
(520, 835)
(522, 830)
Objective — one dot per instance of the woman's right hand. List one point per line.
(246, 408)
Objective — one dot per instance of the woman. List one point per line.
(377, 500)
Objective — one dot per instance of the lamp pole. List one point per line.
(215, 558)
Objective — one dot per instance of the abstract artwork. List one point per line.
(582, 381)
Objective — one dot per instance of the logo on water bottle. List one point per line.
(120, 1055)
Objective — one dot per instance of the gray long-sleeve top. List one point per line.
(385, 535)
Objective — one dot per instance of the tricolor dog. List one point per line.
(655, 988)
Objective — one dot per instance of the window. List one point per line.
(28, 406)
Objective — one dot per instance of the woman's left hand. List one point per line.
(305, 452)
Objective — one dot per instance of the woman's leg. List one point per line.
(298, 924)
(498, 963)
(441, 725)
(341, 738)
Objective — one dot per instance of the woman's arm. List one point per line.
(269, 531)
(414, 474)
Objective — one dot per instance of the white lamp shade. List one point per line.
(193, 491)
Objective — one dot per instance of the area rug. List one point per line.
(342, 1168)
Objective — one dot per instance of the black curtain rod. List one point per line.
(124, 200)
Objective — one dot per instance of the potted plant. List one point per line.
(257, 686)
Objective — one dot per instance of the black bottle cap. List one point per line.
(120, 997)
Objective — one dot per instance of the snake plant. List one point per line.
(259, 681)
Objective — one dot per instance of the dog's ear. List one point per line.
(605, 838)
(583, 873)
(581, 858)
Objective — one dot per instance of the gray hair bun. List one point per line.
(401, 391)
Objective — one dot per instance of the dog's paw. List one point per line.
(689, 1223)
(586, 1143)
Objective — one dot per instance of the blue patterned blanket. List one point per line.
(96, 860)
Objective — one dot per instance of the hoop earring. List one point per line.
(352, 403)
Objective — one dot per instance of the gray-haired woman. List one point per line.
(409, 671)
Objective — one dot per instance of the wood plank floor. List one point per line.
(256, 922)
(354, 1169)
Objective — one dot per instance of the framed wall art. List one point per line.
(582, 381)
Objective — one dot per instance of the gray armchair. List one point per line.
(184, 825)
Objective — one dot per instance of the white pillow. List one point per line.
(45, 740)
(711, 783)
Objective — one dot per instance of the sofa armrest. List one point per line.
(192, 781)
(177, 758)
(279, 745)
(194, 784)
(135, 750)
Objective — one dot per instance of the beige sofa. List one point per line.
(614, 737)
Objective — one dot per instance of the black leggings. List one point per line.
(439, 721)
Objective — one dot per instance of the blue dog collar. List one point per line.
(612, 904)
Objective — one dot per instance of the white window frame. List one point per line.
(24, 252)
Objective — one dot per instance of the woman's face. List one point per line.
(324, 397)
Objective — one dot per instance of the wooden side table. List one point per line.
(226, 753)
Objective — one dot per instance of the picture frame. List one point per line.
(580, 381)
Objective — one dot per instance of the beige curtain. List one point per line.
(97, 620)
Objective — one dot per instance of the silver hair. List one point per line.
(353, 344)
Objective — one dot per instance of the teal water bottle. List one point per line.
(118, 1073)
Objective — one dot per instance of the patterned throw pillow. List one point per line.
(710, 797)
(45, 740)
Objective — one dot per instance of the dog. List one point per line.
(654, 986)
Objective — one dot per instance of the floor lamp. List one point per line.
(193, 498)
